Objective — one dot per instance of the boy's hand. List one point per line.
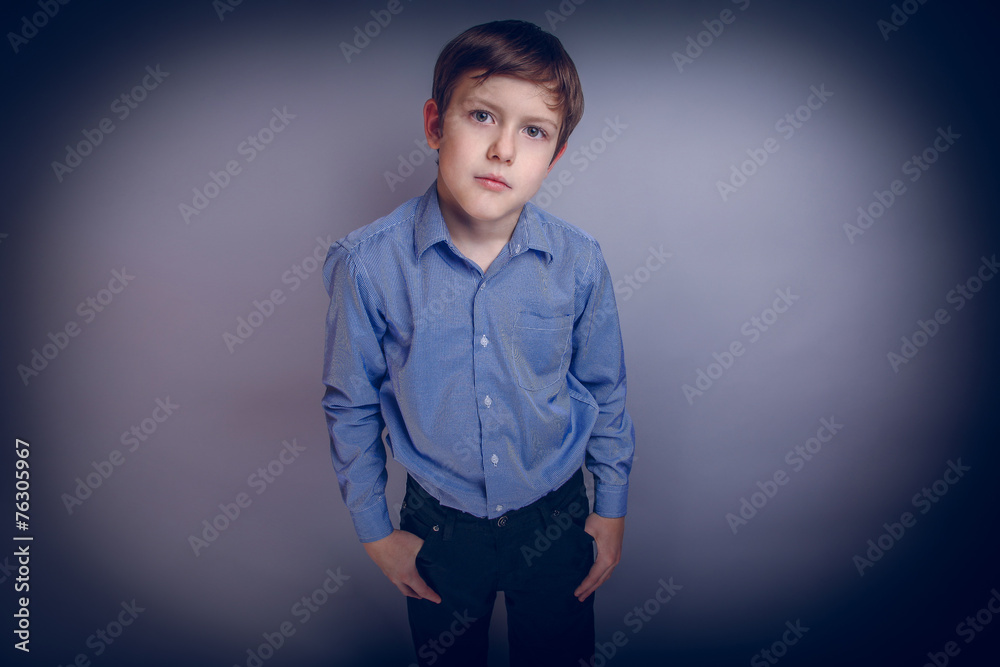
(608, 534)
(396, 556)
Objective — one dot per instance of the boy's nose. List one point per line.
(502, 147)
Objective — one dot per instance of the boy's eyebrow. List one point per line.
(478, 101)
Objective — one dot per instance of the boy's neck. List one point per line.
(479, 240)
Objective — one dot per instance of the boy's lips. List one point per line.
(493, 182)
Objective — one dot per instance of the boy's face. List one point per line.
(496, 144)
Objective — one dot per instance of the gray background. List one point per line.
(654, 186)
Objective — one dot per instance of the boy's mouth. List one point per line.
(493, 182)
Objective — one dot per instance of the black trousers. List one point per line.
(536, 555)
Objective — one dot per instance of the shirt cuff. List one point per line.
(373, 523)
(610, 500)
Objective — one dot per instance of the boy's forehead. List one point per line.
(494, 90)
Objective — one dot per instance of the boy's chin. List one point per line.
(496, 214)
(491, 210)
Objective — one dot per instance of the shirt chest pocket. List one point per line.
(541, 349)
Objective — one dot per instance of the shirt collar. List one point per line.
(430, 228)
(528, 233)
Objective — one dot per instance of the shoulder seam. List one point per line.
(373, 233)
(549, 219)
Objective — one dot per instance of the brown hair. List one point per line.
(512, 48)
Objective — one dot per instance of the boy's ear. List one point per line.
(432, 124)
(556, 159)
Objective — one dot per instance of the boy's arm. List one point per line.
(353, 369)
(599, 364)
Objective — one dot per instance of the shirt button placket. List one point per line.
(482, 361)
(479, 322)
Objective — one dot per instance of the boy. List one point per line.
(483, 333)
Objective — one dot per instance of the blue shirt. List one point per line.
(495, 387)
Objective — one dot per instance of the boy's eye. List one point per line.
(481, 116)
(535, 132)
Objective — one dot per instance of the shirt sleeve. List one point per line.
(353, 369)
(599, 364)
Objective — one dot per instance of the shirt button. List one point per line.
(517, 248)
(484, 341)
(488, 401)
(495, 459)
(499, 508)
